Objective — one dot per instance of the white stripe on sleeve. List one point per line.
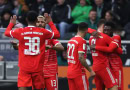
(11, 34)
(57, 44)
(52, 35)
(115, 43)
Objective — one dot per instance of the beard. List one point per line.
(40, 26)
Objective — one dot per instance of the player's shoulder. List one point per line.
(43, 29)
(31, 28)
(116, 37)
(79, 39)
(74, 40)
(92, 37)
(104, 35)
(21, 29)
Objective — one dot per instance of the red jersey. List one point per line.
(117, 38)
(31, 45)
(75, 45)
(50, 65)
(114, 58)
(100, 59)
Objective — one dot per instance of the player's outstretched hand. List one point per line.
(48, 18)
(13, 19)
(92, 47)
(96, 34)
(14, 44)
(92, 73)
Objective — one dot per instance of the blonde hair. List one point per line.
(40, 16)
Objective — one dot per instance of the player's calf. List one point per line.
(113, 88)
(25, 88)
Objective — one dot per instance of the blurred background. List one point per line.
(66, 14)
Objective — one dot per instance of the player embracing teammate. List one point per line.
(107, 63)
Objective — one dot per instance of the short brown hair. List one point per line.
(102, 21)
(82, 26)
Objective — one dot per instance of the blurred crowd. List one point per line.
(67, 14)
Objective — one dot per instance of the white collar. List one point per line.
(30, 26)
(79, 36)
(114, 34)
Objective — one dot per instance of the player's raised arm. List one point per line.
(10, 26)
(12, 33)
(49, 21)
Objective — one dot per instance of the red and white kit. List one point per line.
(31, 53)
(77, 79)
(101, 63)
(50, 66)
(116, 64)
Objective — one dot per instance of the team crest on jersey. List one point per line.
(30, 28)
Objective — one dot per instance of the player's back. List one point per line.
(75, 45)
(31, 48)
(114, 58)
(100, 59)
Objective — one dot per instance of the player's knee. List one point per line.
(113, 88)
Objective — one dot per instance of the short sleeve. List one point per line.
(15, 33)
(109, 40)
(55, 42)
(116, 39)
(82, 47)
